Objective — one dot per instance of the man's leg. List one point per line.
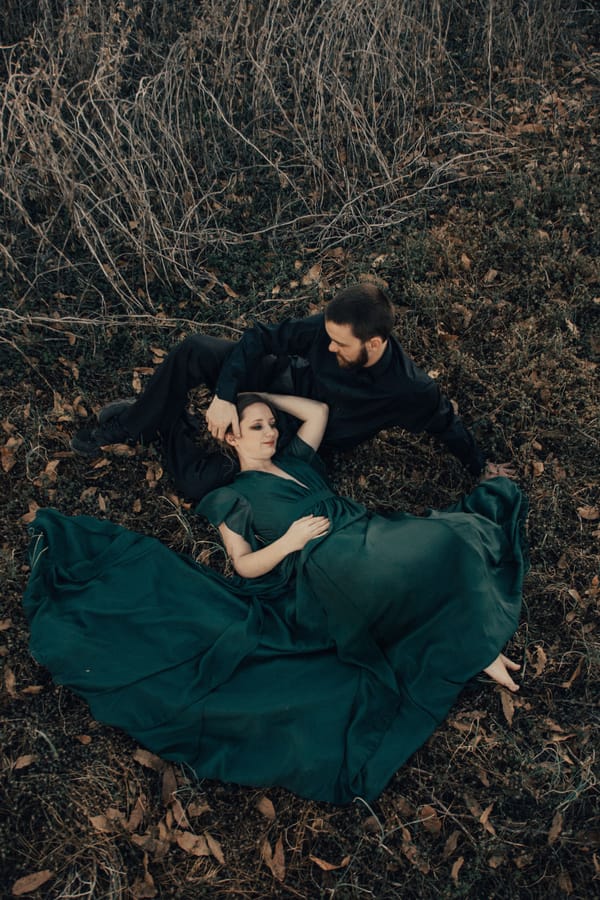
(197, 360)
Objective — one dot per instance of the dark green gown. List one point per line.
(323, 676)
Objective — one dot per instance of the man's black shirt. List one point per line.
(394, 391)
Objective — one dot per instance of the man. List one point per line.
(346, 357)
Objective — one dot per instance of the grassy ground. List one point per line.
(493, 268)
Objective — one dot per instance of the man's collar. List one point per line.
(376, 370)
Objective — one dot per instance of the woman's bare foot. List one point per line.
(498, 670)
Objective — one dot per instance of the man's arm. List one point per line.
(293, 337)
(449, 429)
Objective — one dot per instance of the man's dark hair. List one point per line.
(365, 308)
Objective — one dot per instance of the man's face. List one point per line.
(350, 351)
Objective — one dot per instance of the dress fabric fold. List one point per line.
(323, 676)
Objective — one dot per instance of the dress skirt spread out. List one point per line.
(323, 676)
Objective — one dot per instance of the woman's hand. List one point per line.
(304, 530)
(498, 670)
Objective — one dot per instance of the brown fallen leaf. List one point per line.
(265, 806)
(136, 817)
(215, 848)
(101, 823)
(451, 844)
(484, 819)
(508, 706)
(10, 682)
(540, 661)
(589, 513)
(456, 867)
(8, 453)
(30, 516)
(576, 673)
(149, 760)
(430, 820)
(195, 844)
(169, 784)
(327, 866)
(23, 761)
(5, 624)
(555, 828)
(30, 883)
(275, 859)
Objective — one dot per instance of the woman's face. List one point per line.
(259, 433)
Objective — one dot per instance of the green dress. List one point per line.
(323, 676)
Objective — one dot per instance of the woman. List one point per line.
(330, 658)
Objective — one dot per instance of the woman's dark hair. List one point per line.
(243, 401)
(365, 308)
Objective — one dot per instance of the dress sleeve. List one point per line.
(226, 505)
(298, 449)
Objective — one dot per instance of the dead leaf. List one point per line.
(84, 739)
(496, 860)
(456, 867)
(265, 806)
(451, 844)
(169, 784)
(313, 276)
(275, 859)
(555, 828)
(197, 809)
(8, 453)
(430, 820)
(10, 682)
(101, 823)
(195, 844)
(565, 883)
(149, 760)
(327, 866)
(137, 814)
(508, 706)
(484, 819)
(576, 674)
(179, 815)
(31, 882)
(537, 467)
(465, 262)
(30, 516)
(589, 513)
(540, 661)
(154, 472)
(527, 128)
(215, 848)
(230, 292)
(5, 624)
(23, 761)
(490, 276)
(144, 888)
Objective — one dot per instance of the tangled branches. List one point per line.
(135, 139)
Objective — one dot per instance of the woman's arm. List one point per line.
(312, 414)
(251, 563)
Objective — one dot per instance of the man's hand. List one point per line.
(493, 470)
(219, 416)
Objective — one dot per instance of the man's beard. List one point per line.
(359, 363)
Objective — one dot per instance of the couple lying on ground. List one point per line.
(332, 654)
